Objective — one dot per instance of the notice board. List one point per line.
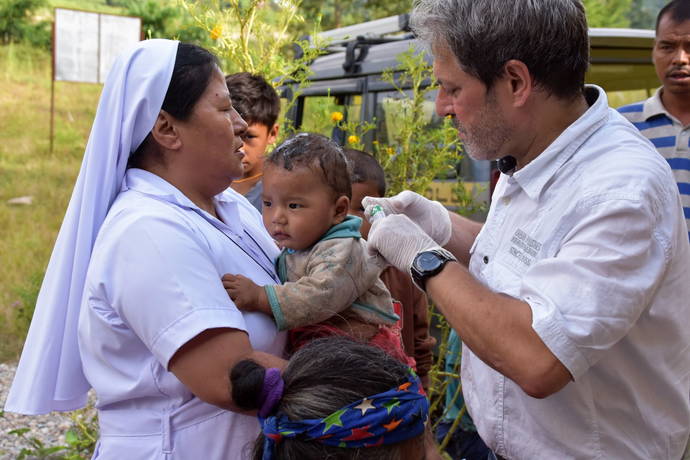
(86, 43)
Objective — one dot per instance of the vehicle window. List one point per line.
(284, 106)
(390, 104)
(318, 112)
(354, 108)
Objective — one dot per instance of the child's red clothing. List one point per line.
(415, 324)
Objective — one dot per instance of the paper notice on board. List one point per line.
(118, 33)
(86, 43)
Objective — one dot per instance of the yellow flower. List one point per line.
(336, 117)
(216, 32)
(375, 142)
(353, 139)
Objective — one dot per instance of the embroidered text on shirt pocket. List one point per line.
(521, 251)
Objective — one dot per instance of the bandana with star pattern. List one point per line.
(385, 418)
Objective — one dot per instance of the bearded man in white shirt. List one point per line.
(573, 299)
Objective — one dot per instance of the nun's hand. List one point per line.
(246, 294)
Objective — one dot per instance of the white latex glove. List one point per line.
(431, 216)
(398, 240)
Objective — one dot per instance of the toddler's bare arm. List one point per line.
(246, 294)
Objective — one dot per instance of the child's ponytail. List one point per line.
(247, 379)
(255, 387)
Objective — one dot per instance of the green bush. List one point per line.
(161, 19)
(251, 36)
(17, 23)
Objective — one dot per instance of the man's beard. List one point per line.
(489, 134)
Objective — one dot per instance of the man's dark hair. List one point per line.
(320, 378)
(678, 9)
(254, 98)
(549, 36)
(365, 168)
(318, 153)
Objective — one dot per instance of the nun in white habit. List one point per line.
(132, 302)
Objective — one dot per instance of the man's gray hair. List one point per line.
(549, 36)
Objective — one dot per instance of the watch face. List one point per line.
(428, 262)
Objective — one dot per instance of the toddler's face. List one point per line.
(298, 207)
(359, 191)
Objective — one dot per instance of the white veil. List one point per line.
(49, 376)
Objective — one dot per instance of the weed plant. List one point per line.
(79, 440)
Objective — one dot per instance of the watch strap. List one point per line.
(420, 277)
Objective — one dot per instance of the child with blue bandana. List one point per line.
(336, 399)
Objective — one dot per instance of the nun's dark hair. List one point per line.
(322, 377)
(191, 75)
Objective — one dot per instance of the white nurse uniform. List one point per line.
(154, 284)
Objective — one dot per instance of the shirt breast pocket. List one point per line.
(504, 280)
(509, 268)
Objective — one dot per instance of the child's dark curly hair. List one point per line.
(318, 153)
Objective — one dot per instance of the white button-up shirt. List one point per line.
(591, 235)
(152, 285)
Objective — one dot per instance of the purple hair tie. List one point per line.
(271, 391)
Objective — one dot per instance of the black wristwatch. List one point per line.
(429, 263)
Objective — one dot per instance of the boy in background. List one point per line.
(368, 179)
(258, 103)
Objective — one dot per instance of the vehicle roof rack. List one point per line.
(376, 31)
(355, 39)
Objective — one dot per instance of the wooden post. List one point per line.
(52, 85)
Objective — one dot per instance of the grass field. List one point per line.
(27, 168)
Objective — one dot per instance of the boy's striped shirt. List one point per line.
(669, 137)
